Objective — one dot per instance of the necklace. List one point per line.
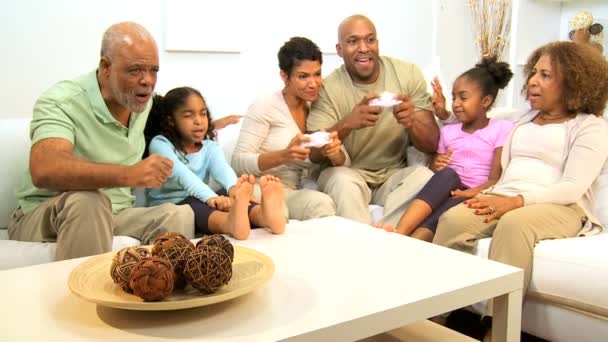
(544, 117)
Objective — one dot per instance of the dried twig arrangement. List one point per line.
(491, 26)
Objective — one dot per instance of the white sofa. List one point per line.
(567, 299)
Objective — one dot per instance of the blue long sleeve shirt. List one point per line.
(191, 172)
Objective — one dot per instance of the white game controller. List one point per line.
(386, 99)
(317, 139)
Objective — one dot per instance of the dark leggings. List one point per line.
(202, 212)
(437, 194)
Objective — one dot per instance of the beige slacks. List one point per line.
(514, 235)
(82, 223)
(307, 204)
(352, 194)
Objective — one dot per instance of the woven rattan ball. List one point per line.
(165, 239)
(123, 263)
(177, 252)
(208, 268)
(152, 279)
(217, 240)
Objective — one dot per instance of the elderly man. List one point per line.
(87, 142)
(374, 137)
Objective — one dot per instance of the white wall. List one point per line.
(537, 23)
(455, 45)
(48, 41)
(534, 24)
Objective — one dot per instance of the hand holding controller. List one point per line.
(386, 99)
(317, 139)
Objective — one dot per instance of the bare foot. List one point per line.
(238, 216)
(272, 204)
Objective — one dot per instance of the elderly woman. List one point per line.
(272, 135)
(550, 162)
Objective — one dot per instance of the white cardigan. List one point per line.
(268, 126)
(585, 157)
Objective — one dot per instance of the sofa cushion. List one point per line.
(571, 272)
(14, 143)
(19, 253)
(227, 138)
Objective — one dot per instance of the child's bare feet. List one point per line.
(238, 216)
(272, 204)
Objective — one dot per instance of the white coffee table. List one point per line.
(335, 280)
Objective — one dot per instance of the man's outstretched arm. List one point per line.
(53, 166)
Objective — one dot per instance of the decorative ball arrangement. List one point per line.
(166, 239)
(123, 262)
(176, 252)
(584, 31)
(217, 241)
(173, 263)
(152, 279)
(208, 268)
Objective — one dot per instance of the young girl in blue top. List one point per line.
(182, 131)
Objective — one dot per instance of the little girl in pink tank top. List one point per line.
(468, 155)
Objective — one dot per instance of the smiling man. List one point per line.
(87, 142)
(374, 137)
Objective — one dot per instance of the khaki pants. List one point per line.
(82, 223)
(352, 195)
(514, 235)
(307, 204)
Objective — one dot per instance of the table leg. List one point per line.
(506, 321)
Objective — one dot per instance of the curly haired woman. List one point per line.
(550, 162)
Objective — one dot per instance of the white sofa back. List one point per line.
(15, 154)
(227, 138)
